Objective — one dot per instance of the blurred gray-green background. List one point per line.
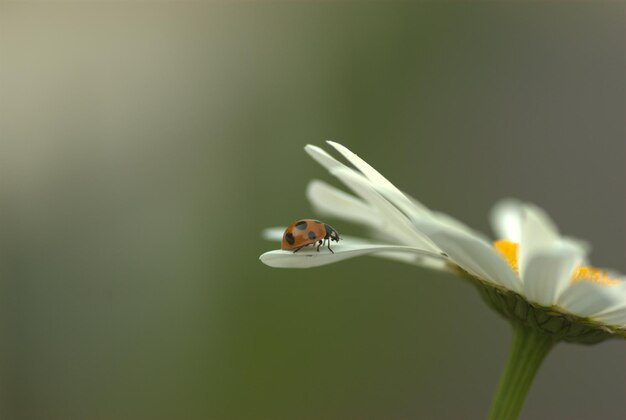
(144, 146)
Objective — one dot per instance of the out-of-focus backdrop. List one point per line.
(144, 146)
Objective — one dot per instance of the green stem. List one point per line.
(529, 348)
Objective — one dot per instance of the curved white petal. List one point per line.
(617, 314)
(396, 223)
(476, 257)
(273, 233)
(450, 222)
(406, 205)
(437, 262)
(590, 299)
(366, 169)
(445, 220)
(615, 318)
(412, 208)
(332, 201)
(311, 258)
(549, 271)
(537, 232)
(585, 245)
(506, 220)
(323, 158)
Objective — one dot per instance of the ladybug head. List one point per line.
(334, 236)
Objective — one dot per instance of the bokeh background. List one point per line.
(144, 146)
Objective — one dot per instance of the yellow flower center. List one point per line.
(593, 274)
(509, 250)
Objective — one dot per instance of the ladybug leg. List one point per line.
(319, 244)
(329, 247)
(298, 249)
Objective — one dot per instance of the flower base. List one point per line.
(548, 320)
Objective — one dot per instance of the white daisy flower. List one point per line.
(530, 262)
(532, 275)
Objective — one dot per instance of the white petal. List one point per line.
(616, 318)
(395, 222)
(343, 251)
(331, 201)
(506, 220)
(617, 314)
(476, 257)
(370, 173)
(437, 264)
(445, 220)
(422, 260)
(581, 243)
(274, 233)
(549, 271)
(407, 206)
(591, 299)
(323, 158)
(412, 208)
(538, 231)
(450, 222)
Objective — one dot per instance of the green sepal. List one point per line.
(549, 320)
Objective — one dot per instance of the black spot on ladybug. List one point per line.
(312, 235)
(301, 225)
(289, 238)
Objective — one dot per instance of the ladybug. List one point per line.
(308, 232)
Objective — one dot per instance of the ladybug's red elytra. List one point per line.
(308, 232)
